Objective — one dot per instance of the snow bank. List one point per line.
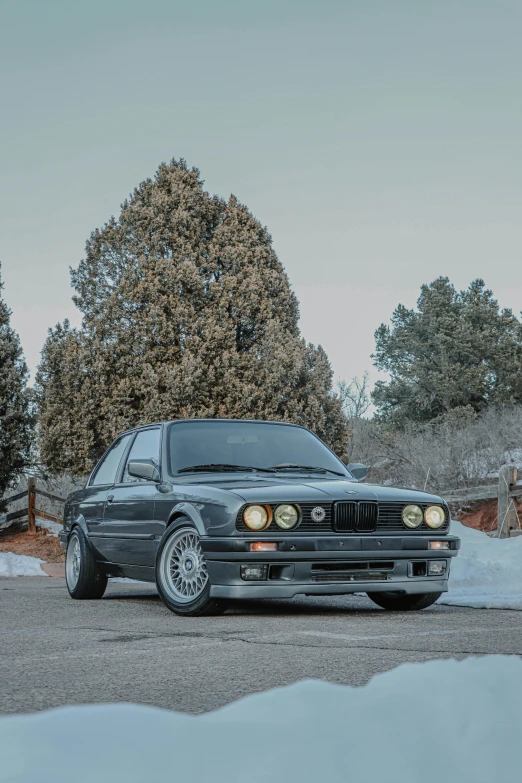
(487, 573)
(20, 565)
(53, 528)
(442, 721)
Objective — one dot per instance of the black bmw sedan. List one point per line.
(219, 509)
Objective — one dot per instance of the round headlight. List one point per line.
(434, 516)
(412, 516)
(257, 517)
(286, 517)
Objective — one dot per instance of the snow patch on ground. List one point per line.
(431, 722)
(20, 565)
(52, 527)
(487, 573)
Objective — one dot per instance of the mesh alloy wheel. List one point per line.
(183, 569)
(73, 561)
(84, 577)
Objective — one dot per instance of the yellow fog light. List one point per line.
(257, 517)
(434, 517)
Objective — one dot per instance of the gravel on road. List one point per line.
(129, 647)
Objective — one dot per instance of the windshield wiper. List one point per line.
(311, 468)
(221, 466)
(224, 466)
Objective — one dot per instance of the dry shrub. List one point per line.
(458, 451)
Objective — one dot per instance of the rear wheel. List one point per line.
(83, 575)
(182, 576)
(404, 603)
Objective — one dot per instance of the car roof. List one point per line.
(178, 421)
(243, 421)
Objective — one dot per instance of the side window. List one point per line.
(146, 446)
(106, 473)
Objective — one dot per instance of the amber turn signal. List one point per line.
(263, 546)
(439, 545)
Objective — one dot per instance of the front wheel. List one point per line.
(182, 576)
(83, 575)
(404, 603)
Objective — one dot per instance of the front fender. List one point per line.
(188, 510)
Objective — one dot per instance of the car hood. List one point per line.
(260, 489)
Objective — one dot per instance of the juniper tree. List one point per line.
(15, 414)
(70, 400)
(458, 350)
(187, 311)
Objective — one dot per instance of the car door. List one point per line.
(129, 524)
(101, 481)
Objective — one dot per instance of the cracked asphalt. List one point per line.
(129, 647)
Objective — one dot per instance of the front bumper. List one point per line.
(328, 566)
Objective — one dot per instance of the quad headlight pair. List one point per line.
(414, 516)
(286, 516)
(259, 517)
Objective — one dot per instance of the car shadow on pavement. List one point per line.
(297, 608)
(132, 597)
(267, 607)
(273, 607)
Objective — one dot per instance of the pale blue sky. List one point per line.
(378, 141)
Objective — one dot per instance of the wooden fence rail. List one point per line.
(31, 511)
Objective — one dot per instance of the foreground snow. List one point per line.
(487, 573)
(442, 721)
(20, 565)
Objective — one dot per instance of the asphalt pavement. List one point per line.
(129, 647)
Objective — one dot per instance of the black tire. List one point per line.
(202, 604)
(91, 581)
(404, 603)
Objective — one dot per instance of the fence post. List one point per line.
(507, 519)
(31, 503)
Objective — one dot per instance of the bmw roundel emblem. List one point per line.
(318, 514)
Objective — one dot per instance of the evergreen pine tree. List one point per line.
(15, 414)
(458, 351)
(187, 312)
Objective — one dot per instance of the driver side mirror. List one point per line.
(358, 470)
(143, 469)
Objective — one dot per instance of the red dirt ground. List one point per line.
(482, 515)
(33, 544)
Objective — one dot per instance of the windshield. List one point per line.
(249, 444)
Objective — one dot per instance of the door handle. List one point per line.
(110, 498)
